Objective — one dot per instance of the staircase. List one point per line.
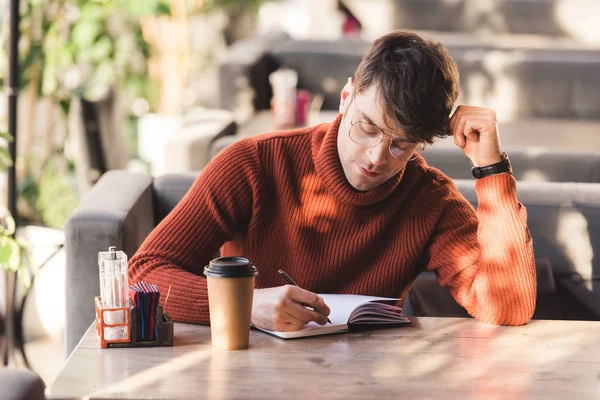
(530, 60)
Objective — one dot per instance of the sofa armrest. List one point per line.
(117, 211)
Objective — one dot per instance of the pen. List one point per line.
(291, 282)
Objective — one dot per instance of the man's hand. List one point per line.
(280, 308)
(475, 131)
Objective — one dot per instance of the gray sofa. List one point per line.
(123, 207)
(19, 384)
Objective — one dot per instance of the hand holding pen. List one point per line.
(291, 282)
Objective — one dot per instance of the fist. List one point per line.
(475, 132)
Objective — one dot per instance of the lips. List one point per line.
(370, 174)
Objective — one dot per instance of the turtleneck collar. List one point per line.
(329, 168)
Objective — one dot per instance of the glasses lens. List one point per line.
(404, 149)
(365, 134)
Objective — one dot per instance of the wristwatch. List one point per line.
(498, 168)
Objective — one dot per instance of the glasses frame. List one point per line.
(381, 136)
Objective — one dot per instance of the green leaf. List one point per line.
(28, 189)
(104, 75)
(84, 33)
(64, 56)
(30, 57)
(7, 227)
(65, 106)
(102, 49)
(93, 11)
(6, 136)
(25, 278)
(32, 62)
(5, 158)
(27, 256)
(55, 185)
(140, 8)
(10, 254)
(49, 82)
(14, 261)
(162, 8)
(24, 82)
(147, 8)
(5, 250)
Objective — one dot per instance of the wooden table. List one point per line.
(435, 358)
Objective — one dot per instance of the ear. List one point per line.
(346, 95)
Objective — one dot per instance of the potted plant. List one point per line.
(15, 262)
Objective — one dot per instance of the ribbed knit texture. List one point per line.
(282, 200)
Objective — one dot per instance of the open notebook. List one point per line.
(350, 309)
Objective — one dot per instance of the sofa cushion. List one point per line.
(427, 298)
(169, 190)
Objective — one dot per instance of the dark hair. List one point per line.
(417, 82)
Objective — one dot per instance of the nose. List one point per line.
(378, 154)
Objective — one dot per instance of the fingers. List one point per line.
(307, 298)
(286, 322)
(468, 123)
(287, 308)
(290, 314)
(304, 314)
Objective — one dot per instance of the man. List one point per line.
(351, 206)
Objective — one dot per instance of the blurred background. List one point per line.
(162, 86)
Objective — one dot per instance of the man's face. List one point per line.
(366, 167)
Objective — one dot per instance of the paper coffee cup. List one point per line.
(230, 282)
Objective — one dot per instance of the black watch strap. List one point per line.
(497, 168)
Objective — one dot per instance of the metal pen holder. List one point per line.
(164, 338)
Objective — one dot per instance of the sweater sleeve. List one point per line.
(486, 257)
(218, 205)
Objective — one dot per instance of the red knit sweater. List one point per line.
(282, 200)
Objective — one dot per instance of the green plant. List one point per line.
(15, 255)
(55, 184)
(80, 47)
(70, 48)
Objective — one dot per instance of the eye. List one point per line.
(368, 129)
(402, 144)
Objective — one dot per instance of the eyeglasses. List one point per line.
(369, 135)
